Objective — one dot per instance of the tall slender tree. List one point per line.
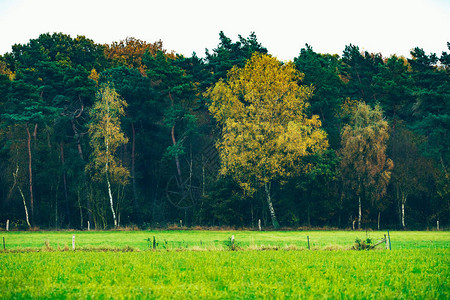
(106, 137)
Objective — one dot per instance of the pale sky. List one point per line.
(282, 26)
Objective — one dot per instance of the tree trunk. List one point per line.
(66, 198)
(359, 212)
(403, 215)
(398, 204)
(25, 206)
(174, 142)
(404, 196)
(21, 194)
(379, 214)
(30, 171)
(177, 160)
(111, 200)
(77, 137)
(133, 173)
(271, 209)
(81, 210)
(109, 189)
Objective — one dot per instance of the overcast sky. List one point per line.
(282, 26)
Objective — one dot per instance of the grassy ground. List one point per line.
(397, 274)
(214, 240)
(416, 268)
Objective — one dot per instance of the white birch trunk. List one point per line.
(111, 202)
(27, 218)
(271, 209)
(404, 196)
(359, 212)
(25, 206)
(403, 215)
(111, 198)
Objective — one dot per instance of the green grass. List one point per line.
(214, 240)
(416, 268)
(410, 274)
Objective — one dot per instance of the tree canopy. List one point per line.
(130, 133)
(265, 131)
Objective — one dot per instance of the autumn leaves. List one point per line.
(265, 130)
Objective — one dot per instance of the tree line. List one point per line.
(129, 133)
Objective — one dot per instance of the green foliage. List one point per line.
(48, 89)
(174, 93)
(322, 71)
(363, 244)
(231, 244)
(229, 54)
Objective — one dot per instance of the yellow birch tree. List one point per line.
(264, 128)
(106, 137)
(365, 167)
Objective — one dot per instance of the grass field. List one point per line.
(214, 240)
(416, 268)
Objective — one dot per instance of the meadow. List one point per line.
(217, 240)
(118, 264)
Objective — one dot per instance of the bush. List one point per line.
(363, 244)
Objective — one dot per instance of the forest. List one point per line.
(132, 134)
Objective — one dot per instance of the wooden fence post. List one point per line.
(73, 242)
(386, 241)
(437, 223)
(89, 226)
(389, 238)
(7, 225)
(232, 242)
(181, 223)
(259, 224)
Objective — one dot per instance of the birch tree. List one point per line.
(366, 169)
(265, 131)
(106, 137)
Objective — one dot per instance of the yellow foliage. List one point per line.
(364, 163)
(129, 52)
(265, 131)
(5, 71)
(94, 75)
(107, 136)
